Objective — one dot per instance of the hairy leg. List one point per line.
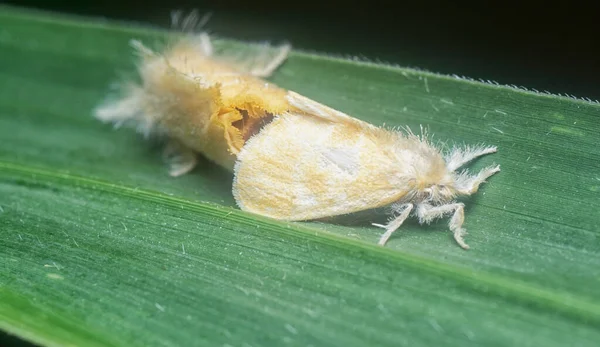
(470, 184)
(268, 65)
(179, 158)
(205, 44)
(427, 213)
(190, 23)
(394, 224)
(460, 156)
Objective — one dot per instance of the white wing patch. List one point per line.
(344, 159)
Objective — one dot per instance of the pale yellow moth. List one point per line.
(292, 158)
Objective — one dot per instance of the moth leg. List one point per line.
(470, 185)
(268, 65)
(180, 159)
(189, 23)
(427, 213)
(394, 224)
(460, 156)
(205, 44)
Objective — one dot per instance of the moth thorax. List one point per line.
(428, 169)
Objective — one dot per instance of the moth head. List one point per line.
(436, 189)
(431, 179)
(439, 192)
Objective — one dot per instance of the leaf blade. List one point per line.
(64, 171)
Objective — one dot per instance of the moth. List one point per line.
(292, 158)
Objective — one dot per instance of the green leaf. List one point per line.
(99, 246)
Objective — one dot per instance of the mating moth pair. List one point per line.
(292, 158)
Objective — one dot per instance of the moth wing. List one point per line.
(313, 108)
(301, 167)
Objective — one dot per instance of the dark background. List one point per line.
(534, 44)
